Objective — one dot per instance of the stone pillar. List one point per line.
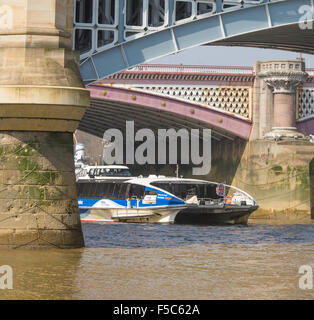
(274, 167)
(42, 100)
(284, 77)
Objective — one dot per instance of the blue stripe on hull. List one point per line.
(162, 199)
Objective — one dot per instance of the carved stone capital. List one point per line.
(284, 82)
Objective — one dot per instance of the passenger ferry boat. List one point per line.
(162, 200)
(209, 202)
(133, 200)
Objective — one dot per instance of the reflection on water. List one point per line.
(138, 261)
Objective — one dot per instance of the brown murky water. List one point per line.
(129, 261)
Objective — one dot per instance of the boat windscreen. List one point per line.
(102, 190)
(186, 190)
(109, 172)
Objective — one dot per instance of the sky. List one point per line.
(230, 56)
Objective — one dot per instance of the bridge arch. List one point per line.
(111, 107)
(246, 26)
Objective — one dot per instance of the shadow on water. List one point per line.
(128, 236)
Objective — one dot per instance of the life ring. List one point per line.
(228, 199)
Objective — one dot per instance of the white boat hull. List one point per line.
(135, 215)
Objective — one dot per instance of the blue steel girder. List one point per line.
(116, 46)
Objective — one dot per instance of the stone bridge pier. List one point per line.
(276, 164)
(42, 99)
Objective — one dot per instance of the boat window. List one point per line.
(92, 190)
(163, 186)
(91, 172)
(86, 190)
(119, 191)
(105, 172)
(79, 189)
(210, 191)
(136, 191)
(126, 172)
(104, 190)
(125, 190)
(122, 191)
(186, 190)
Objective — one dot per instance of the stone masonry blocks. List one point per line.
(38, 201)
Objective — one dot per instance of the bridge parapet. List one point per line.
(228, 89)
(305, 103)
(205, 69)
(236, 101)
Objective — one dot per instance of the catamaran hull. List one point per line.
(132, 215)
(227, 215)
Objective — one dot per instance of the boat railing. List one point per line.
(211, 201)
(234, 196)
(242, 197)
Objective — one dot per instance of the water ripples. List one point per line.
(167, 236)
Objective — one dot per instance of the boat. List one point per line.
(160, 199)
(134, 200)
(209, 203)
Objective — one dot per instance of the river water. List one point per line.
(148, 261)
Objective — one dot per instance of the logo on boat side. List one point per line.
(145, 153)
(6, 277)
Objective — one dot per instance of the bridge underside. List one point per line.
(111, 107)
(285, 38)
(103, 115)
(227, 147)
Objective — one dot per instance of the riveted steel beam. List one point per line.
(226, 24)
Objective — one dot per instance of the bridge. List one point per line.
(129, 33)
(177, 96)
(153, 95)
(263, 145)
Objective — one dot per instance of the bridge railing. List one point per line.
(166, 68)
(305, 103)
